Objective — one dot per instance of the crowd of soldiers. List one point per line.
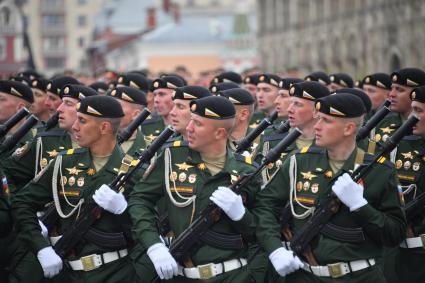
(259, 178)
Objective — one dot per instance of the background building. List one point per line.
(354, 36)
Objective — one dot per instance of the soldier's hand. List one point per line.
(44, 231)
(349, 192)
(285, 261)
(165, 264)
(110, 200)
(49, 261)
(229, 202)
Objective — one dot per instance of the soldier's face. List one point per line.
(282, 103)
(180, 115)
(400, 98)
(377, 95)
(38, 107)
(67, 113)
(252, 89)
(162, 101)
(300, 112)
(200, 133)
(329, 130)
(418, 109)
(52, 102)
(8, 106)
(266, 94)
(86, 130)
(130, 112)
(333, 87)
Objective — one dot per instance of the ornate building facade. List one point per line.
(353, 36)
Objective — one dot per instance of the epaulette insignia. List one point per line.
(246, 159)
(72, 151)
(382, 160)
(310, 149)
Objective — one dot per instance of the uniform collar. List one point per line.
(230, 164)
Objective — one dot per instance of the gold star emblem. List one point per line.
(52, 153)
(183, 166)
(328, 174)
(91, 172)
(73, 170)
(407, 155)
(150, 138)
(386, 130)
(308, 175)
(202, 166)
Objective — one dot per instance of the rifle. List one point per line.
(52, 122)
(128, 132)
(11, 141)
(91, 212)
(211, 213)
(283, 128)
(373, 121)
(330, 205)
(247, 141)
(12, 121)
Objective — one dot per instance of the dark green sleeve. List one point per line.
(5, 217)
(142, 202)
(25, 205)
(268, 208)
(385, 224)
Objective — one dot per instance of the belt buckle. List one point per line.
(422, 240)
(335, 270)
(206, 271)
(88, 262)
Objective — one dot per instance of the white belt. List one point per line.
(416, 242)
(336, 270)
(207, 271)
(94, 261)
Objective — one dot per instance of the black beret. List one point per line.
(170, 82)
(344, 105)
(411, 77)
(358, 84)
(361, 94)
(418, 94)
(238, 96)
(269, 79)
(39, 83)
(129, 94)
(190, 92)
(133, 80)
(227, 77)
(251, 79)
(100, 106)
(17, 89)
(342, 79)
(380, 80)
(318, 76)
(286, 83)
(175, 75)
(213, 107)
(215, 88)
(30, 74)
(100, 87)
(77, 91)
(309, 90)
(55, 85)
(24, 80)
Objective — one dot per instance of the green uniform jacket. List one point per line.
(152, 127)
(191, 178)
(21, 165)
(382, 219)
(256, 118)
(383, 131)
(80, 181)
(138, 145)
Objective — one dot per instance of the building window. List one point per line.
(53, 43)
(55, 63)
(82, 20)
(5, 16)
(81, 42)
(3, 49)
(53, 21)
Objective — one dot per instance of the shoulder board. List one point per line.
(309, 149)
(150, 120)
(174, 138)
(176, 143)
(73, 151)
(275, 137)
(383, 160)
(411, 138)
(54, 133)
(246, 159)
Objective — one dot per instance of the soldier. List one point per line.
(250, 84)
(53, 90)
(218, 87)
(358, 84)
(340, 80)
(306, 179)
(38, 107)
(403, 82)
(377, 86)
(228, 76)
(100, 87)
(162, 89)
(244, 105)
(320, 77)
(132, 101)
(190, 173)
(73, 180)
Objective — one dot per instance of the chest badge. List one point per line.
(52, 153)
(43, 163)
(328, 174)
(386, 130)
(73, 170)
(182, 177)
(91, 171)
(192, 178)
(315, 188)
(416, 166)
(202, 166)
(80, 181)
(183, 166)
(407, 155)
(71, 181)
(398, 164)
(173, 176)
(308, 175)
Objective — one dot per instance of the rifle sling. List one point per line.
(223, 241)
(115, 240)
(343, 234)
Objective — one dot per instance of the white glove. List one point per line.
(110, 200)
(44, 231)
(49, 261)
(229, 202)
(349, 192)
(285, 261)
(165, 264)
(246, 154)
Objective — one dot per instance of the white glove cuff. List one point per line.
(155, 247)
(358, 205)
